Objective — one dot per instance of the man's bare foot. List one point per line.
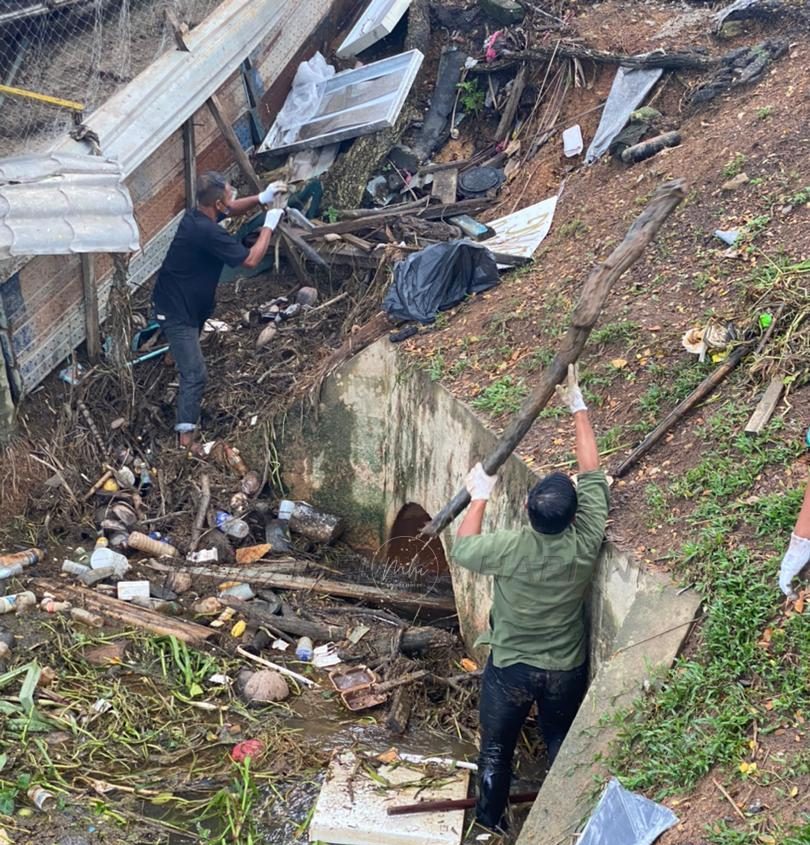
(188, 440)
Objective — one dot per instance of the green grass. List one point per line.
(573, 228)
(764, 113)
(625, 331)
(734, 166)
(800, 197)
(436, 366)
(656, 501)
(471, 96)
(703, 713)
(505, 394)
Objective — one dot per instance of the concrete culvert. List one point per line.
(381, 463)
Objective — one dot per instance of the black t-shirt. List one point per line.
(187, 282)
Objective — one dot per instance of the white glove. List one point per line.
(479, 485)
(793, 562)
(273, 217)
(570, 394)
(266, 196)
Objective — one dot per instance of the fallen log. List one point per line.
(268, 576)
(652, 146)
(591, 302)
(706, 387)
(676, 60)
(399, 713)
(125, 613)
(413, 641)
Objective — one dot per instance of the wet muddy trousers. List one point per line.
(184, 344)
(506, 698)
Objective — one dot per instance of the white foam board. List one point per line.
(351, 808)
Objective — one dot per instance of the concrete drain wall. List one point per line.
(384, 436)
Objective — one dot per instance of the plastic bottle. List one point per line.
(104, 556)
(239, 591)
(42, 799)
(277, 531)
(17, 602)
(50, 605)
(85, 616)
(303, 649)
(146, 544)
(232, 526)
(73, 568)
(26, 558)
(7, 572)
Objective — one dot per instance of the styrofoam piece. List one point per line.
(378, 20)
(128, 590)
(572, 141)
(351, 808)
(522, 232)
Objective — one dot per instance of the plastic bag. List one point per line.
(630, 87)
(437, 278)
(623, 818)
(303, 100)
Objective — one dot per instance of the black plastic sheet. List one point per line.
(438, 278)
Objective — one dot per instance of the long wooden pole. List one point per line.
(452, 804)
(590, 305)
(91, 319)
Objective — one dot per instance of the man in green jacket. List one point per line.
(537, 636)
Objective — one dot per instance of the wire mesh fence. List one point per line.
(75, 50)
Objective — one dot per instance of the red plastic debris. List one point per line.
(247, 748)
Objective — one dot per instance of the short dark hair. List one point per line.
(552, 503)
(210, 188)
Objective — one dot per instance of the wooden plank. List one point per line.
(215, 107)
(510, 109)
(189, 163)
(767, 405)
(445, 185)
(91, 321)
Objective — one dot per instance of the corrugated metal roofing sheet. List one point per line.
(133, 123)
(58, 204)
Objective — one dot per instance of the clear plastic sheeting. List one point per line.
(304, 98)
(623, 818)
(630, 87)
(351, 103)
(437, 278)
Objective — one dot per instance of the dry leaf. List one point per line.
(798, 605)
(390, 756)
(618, 363)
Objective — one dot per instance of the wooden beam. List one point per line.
(91, 320)
(445, 185)
(513, 101)
(215, 107)
(190, 163)
(591, 302)
(767, 405)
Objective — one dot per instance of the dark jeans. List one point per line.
(184, 344)
(506, 698)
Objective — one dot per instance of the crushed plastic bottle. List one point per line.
(103, 556)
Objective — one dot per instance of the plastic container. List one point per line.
(156, 548)
(233, 527)
(277, 531)
(17, 602)
(303, 649)
(104, 556)
(73, 568)
(239, 591)
(50, 605)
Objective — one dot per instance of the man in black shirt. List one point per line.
(185, 291)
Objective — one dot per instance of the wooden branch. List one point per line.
(215, 107)
(510, 109)
(267, 575)
(767, 405)
(125, 613)
(591, 302)
(202, 512)
(91, 319)
(414, 640)
(676, 60)
(706, 387)
(452, 804)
